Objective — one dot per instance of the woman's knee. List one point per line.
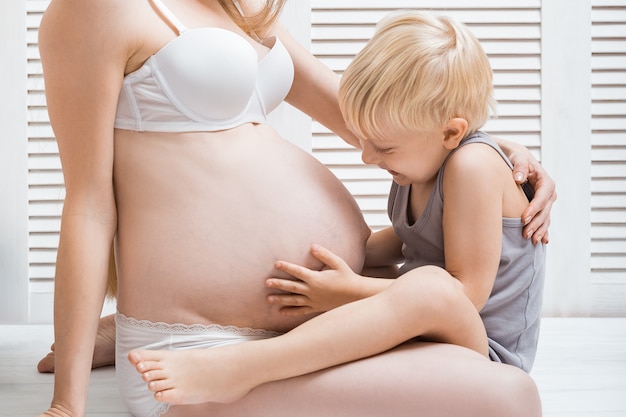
(520, 393)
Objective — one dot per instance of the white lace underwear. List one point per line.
(132, 334)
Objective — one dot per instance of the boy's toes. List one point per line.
(134, 357)
(153, 375)
(142, 361)
(160, 385)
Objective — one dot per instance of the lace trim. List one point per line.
(160, 410)
(194, 328)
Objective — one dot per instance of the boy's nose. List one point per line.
(367, 156)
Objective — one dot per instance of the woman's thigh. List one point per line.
(415, 379)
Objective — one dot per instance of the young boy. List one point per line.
(416, 97)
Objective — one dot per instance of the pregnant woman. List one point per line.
(159, 113)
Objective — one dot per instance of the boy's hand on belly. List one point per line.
(314, 291)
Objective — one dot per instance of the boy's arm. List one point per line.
(318, 291)
(383, 254)
(336, 284)
(474, 183)
(383, 248)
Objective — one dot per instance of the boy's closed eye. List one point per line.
(382, 150)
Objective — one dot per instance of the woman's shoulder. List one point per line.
(93, 18)
(111, 30)
(92, 10)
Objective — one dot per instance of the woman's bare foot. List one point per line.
(195, 376)
(104, 349)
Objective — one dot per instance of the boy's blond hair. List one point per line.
(417, 72)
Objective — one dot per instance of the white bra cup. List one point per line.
(210, 72)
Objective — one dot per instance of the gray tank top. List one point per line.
(513, 310)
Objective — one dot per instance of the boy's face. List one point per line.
(411, 157)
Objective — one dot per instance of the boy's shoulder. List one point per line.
(477, 160)
(475, 151)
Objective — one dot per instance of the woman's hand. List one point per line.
(315, 291)
(536, 217)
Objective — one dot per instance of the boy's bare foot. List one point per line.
(104, 349)
(194, 376)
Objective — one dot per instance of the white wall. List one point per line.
(14, 282)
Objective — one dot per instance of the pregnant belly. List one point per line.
(198, 236)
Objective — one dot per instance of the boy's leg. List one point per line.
(104, 350)
(425, 302)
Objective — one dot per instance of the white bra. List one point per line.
(205, 79)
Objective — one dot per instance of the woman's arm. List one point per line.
(83, 65)
(315, 88)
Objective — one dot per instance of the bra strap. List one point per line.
(169, 16)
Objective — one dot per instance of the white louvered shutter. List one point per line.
(608, 157)
(45, 180)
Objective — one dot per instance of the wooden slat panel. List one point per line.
(361, 16)
(424, 4)
(364, 32)
(609, 185)
(615, 232)
(44, 240)
(600, 14)
(617, 247)
(496, 47)
(608, 300)
(617, 199)
(608, 30)
(46, 191)
(608, 155)
(350, 173)
(375, 188)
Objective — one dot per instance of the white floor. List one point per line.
(580, 371)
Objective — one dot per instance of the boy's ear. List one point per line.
(453, 132)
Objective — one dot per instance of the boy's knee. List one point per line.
(432, 283)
